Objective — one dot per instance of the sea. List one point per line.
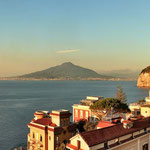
(20, 99)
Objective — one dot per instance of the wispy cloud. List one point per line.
(68, 51)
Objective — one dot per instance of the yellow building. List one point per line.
(129, 135)
(145, 109)
(50, 131)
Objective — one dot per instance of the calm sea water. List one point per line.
(20, 99)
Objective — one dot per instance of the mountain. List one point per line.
(65, 71)
(124, 73)
(144, 78)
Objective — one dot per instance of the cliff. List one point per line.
(144, 78)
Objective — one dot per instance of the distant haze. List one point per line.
(99, 35)
(126, 73)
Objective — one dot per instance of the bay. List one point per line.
(20, 99)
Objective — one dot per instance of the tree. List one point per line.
(142, 101)
(80, 125)
(90, 125)
(108, 105)
(121, 95)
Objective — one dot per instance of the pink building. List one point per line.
(82, 111)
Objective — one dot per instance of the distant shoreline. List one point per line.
(67, 79)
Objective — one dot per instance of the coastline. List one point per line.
(63, 79)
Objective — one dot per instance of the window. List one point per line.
(145, 146)
(106, 146)
(57, 140)
(133, 112)
(94, 117)
(62, 122)
(81, 113)
(78, 144)
(138, 112)
(33, 135)
(37, 136)
(86, 115)
(65, 122)
(76, 113)
(64, 132)
(145, 130)
(41, 138)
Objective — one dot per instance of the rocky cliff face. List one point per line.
(144, 78)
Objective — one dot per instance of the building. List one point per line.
(82, 111)
(141, 108)
(128, 135)
(50, 131)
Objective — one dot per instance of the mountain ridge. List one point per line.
(66, 70)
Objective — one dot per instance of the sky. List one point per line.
(96, 34)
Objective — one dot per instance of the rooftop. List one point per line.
(99, 136)
(60, 111)
(94, 97)
(44, 121)
(90, 100)
(145, 106)
(104, 124)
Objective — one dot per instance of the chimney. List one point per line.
(78, 144)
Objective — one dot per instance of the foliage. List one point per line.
(102, 107)
(140, 101)
(90, 126)
(121, 95)
(80, 125)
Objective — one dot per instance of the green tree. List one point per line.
(121, 95)
(102, 107)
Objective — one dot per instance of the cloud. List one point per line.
(68, 51)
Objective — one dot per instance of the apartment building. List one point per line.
(142, 109)
(128, 135)
(50, 131)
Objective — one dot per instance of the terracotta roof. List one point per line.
(98, 136)
(37, 126)
(72, 147)
(45, 121)
(126, 121)
(104, 124)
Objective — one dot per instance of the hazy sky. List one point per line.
(98, 34)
